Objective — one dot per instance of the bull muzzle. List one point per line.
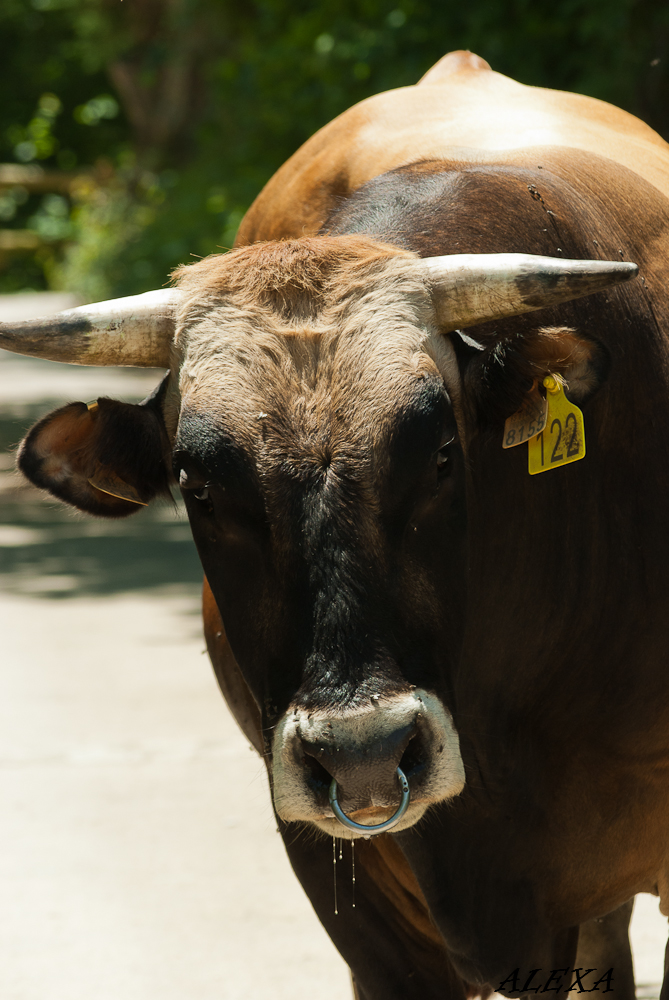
(358, 753)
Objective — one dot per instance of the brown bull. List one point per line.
(388, 588)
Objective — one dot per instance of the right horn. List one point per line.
(468, 289)
(135, 331)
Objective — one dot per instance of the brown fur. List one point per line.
(295, 278)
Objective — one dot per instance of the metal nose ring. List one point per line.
(367, 831)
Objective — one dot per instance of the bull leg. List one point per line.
(664, 992)
(604, 944)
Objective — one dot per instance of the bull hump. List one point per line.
(462, 60)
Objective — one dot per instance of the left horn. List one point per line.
(468, 289)
(135, 331)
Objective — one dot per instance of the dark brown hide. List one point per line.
(233, 686)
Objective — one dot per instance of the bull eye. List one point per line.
(202, 495)
(194, 484)
(444, 456)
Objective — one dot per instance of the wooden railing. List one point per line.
(35, 180)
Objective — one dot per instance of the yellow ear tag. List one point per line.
(563, 439)
(529, 420)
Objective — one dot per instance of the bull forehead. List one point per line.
(347, 370)
(307, 384)
(306, 407)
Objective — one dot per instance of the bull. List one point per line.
(453, 666)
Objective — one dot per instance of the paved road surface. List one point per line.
(138, 855)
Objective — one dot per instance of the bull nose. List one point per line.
(365, 771)
(361, 747)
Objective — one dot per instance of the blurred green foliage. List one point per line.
(178, 111)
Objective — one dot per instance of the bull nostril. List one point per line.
(318, 778)
(413, 759)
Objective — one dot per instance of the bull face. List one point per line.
(323, 478)
(317, 426)
(322, 473)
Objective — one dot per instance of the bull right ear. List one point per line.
(497, 376)
(107, 459)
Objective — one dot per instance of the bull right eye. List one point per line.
(195, 485)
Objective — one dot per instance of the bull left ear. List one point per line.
(107, 459)
(498, 377)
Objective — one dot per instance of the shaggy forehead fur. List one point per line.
(299, 335)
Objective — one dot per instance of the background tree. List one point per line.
(176, 112)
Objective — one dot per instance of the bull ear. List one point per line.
(497, 377)
(106, 459)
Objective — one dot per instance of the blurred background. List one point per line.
(138, 852)
(135, 135)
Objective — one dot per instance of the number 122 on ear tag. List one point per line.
(563, 438)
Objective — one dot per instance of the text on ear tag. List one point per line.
(563, 438)
(529, 420)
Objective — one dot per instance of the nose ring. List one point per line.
(367, 831)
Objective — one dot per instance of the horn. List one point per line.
(468, 289)
(134, 331)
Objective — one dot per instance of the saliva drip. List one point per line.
(338, 855)
(334, 872)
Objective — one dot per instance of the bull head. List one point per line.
(347, 699)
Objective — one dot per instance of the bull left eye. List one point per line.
(202, 494)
